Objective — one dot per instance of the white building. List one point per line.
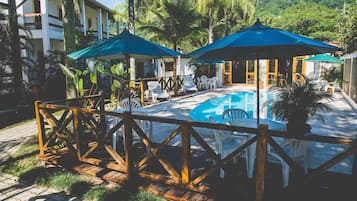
(43, 18)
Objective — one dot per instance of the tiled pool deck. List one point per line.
(341, 121)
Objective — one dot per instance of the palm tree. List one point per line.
(207, 8)
(69, 29)
(15, 48)
(235, 11)
(174, 22)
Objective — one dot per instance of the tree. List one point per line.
(69, 29)
(173, 23)
(309, 19)
(15, 48)
(347, 27)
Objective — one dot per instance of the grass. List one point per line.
(23, 164)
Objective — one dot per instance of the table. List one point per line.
(252, 123)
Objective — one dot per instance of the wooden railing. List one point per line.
(82, 132)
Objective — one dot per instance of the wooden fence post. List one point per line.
(261, 159)
(186, 145)
(101, 108)
(354, 165)
(40, 128)
(78, 133)
(128, 147)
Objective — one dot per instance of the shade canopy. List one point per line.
(123, 46)
(324, 58)
(261, 42)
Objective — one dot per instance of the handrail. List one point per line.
(81, 117)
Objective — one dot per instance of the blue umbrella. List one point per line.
(124, 46)
(261, 42)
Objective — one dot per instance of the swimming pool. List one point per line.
(242, 100)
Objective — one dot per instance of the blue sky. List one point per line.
(111, 3)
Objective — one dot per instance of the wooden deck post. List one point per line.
(78, 133)
(128, 147)
(261, 159)
(186, 145)
(102, 117)
(354, 165)
(40, 128)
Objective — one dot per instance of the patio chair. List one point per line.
(203, 82)
(225, 144)
(188, 85)
(212, 83)
(297, 151)
(231, 116)
(155, 92)
(124, 105)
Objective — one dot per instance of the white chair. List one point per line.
(231, 117)
(212, 83)
(155, 92)
(225, 144)
(297, 151)
(188, 85)
(203, 82)
(124, 105)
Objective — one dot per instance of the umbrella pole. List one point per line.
(258, 82)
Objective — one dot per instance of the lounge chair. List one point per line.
(188, 85)
(155, 92)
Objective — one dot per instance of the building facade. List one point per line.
(349, 84)
(43, 19)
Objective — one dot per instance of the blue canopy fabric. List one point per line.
(324, 58)
(123, 46)
(261, 42)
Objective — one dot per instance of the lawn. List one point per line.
(23, 164)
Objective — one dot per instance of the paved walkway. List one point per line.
(13, 190)
(10, 187)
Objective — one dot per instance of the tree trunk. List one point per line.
(69, 30)
(226, 25)
(210, 25)
(69, 33)
(16, 63)
(131, 15)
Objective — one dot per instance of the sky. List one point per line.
(111, 3)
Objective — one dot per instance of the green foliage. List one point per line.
(144, 196)
(296, 103)
(309, 19)
(333, 74)
(347, 28)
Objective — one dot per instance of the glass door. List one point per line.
(272, 72)
(251, 72)
(227, 73)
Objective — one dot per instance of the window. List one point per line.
(169, 66)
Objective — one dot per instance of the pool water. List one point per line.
(242, 100)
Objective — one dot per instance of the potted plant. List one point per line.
(296, 103)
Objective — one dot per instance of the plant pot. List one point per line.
(297, 130)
